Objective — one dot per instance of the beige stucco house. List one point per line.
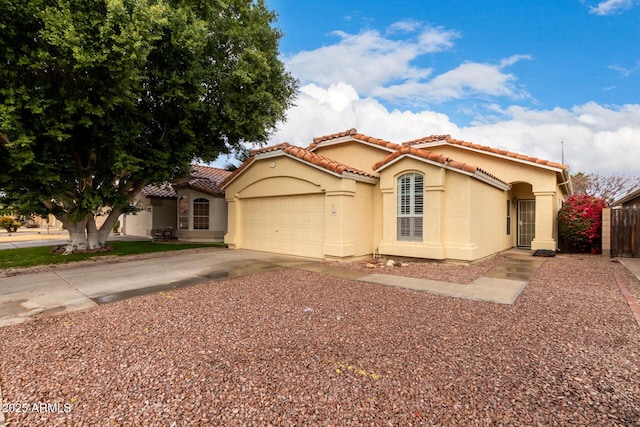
(194, 206)
(350, 195)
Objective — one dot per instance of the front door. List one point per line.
(526, 222)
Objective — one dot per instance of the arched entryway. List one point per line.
(523, 204)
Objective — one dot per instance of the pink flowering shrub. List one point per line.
(580, 222)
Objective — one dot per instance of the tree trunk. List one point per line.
(105, 230)
(92, 234)
(77, 236)
(85, 234)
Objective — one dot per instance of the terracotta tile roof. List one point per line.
(214, 174)
(165, 190)
(202, 178)
(506, 153)
(355, 135)
(439, 158)
(303, 154)
(206, 179)
(407, 148)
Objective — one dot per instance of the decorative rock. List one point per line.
(391, 263)
(369, 265)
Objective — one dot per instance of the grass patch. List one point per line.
(29, 257)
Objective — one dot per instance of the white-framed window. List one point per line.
(201, 214)
(410, 207)
(183, 213)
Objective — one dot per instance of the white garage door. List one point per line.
(291, 225)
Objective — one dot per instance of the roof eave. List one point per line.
(489, 153)
(360, 178)
(477, 175)
(629, 196)
(282, 153)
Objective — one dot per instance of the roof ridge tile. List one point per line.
(507, 153)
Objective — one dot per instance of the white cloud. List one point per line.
(470, 79)
(315, 115)
(403, 27)
(369, 60)
(611, 7)
(597, 138)
(384, 67)
(624, 71)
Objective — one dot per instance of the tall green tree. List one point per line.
(100, 97)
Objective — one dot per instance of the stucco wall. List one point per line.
(348, 204)
(488, 219)
(217, 218)
(544, 183)
(363, 218)
(140, 223)
(154, 214)
(164, 213)
(355, 154)
(464, 219)
(509, 170)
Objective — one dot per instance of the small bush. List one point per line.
(9, 224)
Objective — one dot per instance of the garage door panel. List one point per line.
(289, 225)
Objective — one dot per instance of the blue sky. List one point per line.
(519, 75)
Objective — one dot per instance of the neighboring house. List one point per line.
(631, 200)
(620, 224)
(193, 206)
(350, 195)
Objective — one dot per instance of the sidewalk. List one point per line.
(34, 237)
(632, 264)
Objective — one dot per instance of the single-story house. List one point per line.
(630, 200)
(194, 206)
(350, 195)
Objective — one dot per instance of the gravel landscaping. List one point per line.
(421, 269)
(298, 348)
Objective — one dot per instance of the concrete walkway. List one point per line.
(632, 264)
(502, 284)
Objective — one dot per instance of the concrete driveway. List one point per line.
(71, 289)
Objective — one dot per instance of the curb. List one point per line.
(633, 304)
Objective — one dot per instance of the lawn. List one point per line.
(29, 257)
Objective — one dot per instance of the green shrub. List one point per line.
(9, 224)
